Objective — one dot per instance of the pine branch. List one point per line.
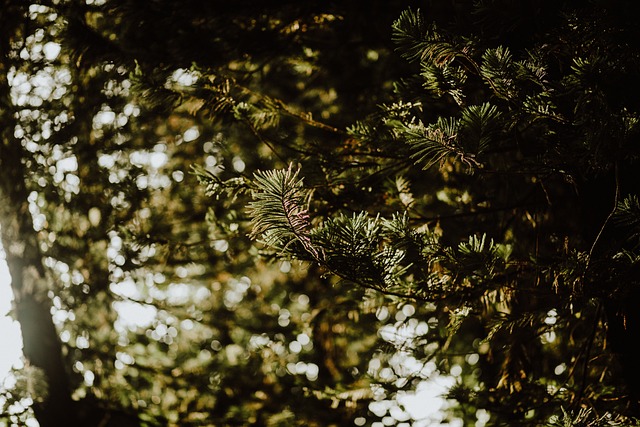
(444, 79)
(627, 215)
(432, 144)
(480, 123)
(416, 41)
(277, 105)
(280, 215)
(498, 70)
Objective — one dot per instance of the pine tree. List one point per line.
(529, 145)
(340, 193)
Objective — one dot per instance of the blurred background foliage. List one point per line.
(317, 213)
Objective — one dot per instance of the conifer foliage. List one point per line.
(322, 208)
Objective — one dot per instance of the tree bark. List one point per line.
(41, 345)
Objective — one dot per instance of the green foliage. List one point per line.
(316, 210)
(463, 139)
(497, 68)
(585, 417)
(478, 258)
(432, 144)
(418, 41)
(279, 213)
(627, 216)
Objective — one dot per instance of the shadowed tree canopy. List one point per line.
(304, 213)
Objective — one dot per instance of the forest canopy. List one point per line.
(322, 213)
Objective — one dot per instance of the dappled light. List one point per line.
(319, 214)
(11, 343)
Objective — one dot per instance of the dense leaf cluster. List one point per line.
(315, 209)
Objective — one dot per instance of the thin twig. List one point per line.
(606, 221)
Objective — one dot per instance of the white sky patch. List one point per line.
(9, 328)
(133, 315)
(68, 164)
(51, 50)
(106, 161)
(6, 296)
(426, 404)
(178, 293)
(104, 117)
(191, 134)
(184, 77)
(11, 345)
(127, 289)
(155, 159)
(402, 334)
(238, 164)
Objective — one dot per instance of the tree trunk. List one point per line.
(41, 345)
